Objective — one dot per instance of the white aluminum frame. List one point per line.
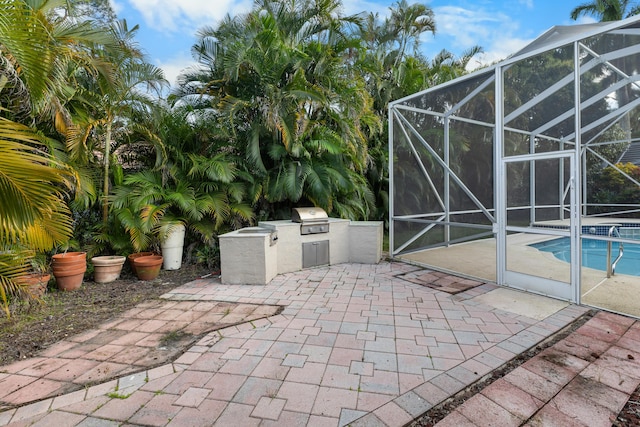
(569, 147)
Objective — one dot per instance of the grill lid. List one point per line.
(309, 215)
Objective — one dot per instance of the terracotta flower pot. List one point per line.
(35, 284)
(107, 268)
(68, 269)
(69, 258)
(148, 267)
(134, 256)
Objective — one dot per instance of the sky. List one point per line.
(501, 27)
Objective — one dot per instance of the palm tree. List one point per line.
(38, 47)
(126, 90)
(394, 68)
(606, 10)
(33, 212)
(612, 10)
(299, 116)
(98, 10)
(409, 22)
(197, 186)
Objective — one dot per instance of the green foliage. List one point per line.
(116, 395)
(208, 255)
(122, 97)
(393, 68)
(33, 214)
(193, 187)
(110, 240)
(299, 117)
(49, 53)
(615, 185)
(289, 109)
(304, 91)
(606, 10)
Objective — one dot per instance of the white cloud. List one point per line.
(499, 51)
(526, 3)
(116, 6)
(174, 16)
(497, 33)
(585, 20)
(175, 65)
(467, 26)
(358, 6)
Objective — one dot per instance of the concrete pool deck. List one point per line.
(618, 293)
(354, 345)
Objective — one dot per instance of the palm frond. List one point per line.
(31, 189)
(216, 168)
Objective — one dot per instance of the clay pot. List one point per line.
(35, 284)
(107, 268)
(68, 269)
(69, 258)
(148, 267)
(134, 256)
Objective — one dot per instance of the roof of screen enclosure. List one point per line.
(554, 38)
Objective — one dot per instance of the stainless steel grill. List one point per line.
(312, 220)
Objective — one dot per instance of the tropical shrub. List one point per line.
(194, 186)
(38, 46)
(615, 185)
(33, 214)
(299, 116)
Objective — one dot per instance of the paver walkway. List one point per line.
(583, 380)
(355, 344)
(147, 336)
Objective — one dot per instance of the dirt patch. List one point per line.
(35, 326)
(630, 414)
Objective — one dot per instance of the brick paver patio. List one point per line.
(152, 334)
(355, 345)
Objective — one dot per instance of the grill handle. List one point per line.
(308, 214)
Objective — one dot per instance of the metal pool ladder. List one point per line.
(611, 267)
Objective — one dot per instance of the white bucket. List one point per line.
(172, 248)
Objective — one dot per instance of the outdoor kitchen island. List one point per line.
(255, 255)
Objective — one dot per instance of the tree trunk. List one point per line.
(105, 187)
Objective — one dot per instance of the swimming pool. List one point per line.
(594, 254)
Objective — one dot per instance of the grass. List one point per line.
(29, 315)
(116, 395)
(172, 337)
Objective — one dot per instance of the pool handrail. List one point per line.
(611, 267)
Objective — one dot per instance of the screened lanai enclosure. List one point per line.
(522, 173)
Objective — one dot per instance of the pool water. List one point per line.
(594, 254)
